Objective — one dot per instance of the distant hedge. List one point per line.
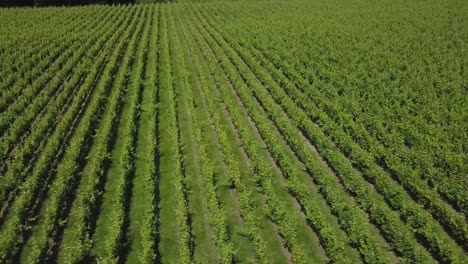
(12, 3)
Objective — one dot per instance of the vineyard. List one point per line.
(235, 132)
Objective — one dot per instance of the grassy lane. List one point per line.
(167, 227)
(175, 238)
(204, 249)
(243, 248)
(143, 214)
(216, 216)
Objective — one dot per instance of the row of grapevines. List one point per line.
(262, 124)
(18, 134)
(18, 63)
(418, 190)
(30, 59)
(23, 124)
(124, 148)
(36, 96)
(170, 137)
(407, 177)
(446, 250)
(333, 244)
(77, 237)
(418, 160)
(147, 229)
(247, 207)
(216, 214)
(276, 207)
(23, 65)
(430, 229)
(412, 183)
(17, 167)
(15, 226)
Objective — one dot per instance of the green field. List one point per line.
(235, 132)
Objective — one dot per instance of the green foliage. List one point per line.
(332, 130)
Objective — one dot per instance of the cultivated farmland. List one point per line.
(235, 132)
